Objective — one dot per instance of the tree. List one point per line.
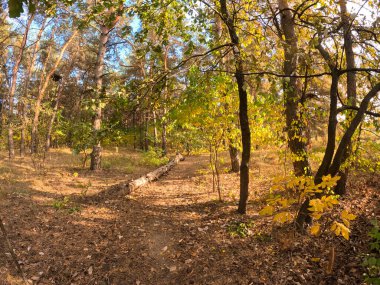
(111, 17)
(243, 105)
(12, 90)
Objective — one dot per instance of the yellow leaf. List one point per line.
(284, 202)
(267, 211)
(315, 259)
(316, 216)
(315, 229)
(282, 217)
(345, 232)
(346, 215)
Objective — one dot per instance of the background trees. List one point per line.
(190, 75)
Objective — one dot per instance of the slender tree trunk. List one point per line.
(303, 215)
(235, 160)
(351, 88)
(155, 135)
(243, 107)
(141, 131)
(42, 90)
(27, 81)
(12, 90)
(134, 130)
(292, 93)
(163, 139)
(233, 151)
(146, 132)
(23, 130)
(54, 114)
(166, 95)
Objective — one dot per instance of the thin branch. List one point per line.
(345, 107)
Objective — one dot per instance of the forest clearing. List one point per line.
(189, 142)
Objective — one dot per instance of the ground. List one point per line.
(68, 226)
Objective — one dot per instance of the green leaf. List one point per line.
(15, 8)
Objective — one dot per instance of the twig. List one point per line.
(14, 257)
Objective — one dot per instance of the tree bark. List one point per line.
(243, 107)
(235, 160)
(292, 94)
(12, 91)
(340, 188)
(97, 121)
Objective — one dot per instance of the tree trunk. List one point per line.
(12, 90)
(155, 135)
(54, 114)
(27, 81)
(146, 132)
(340, 188)
(303, 216)
(42, 90)
(163, 140)
(243, 107)
(292, 93)
(97, 121)
(235, 160)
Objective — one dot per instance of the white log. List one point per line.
(155, 174)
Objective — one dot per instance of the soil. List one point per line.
(172, 231)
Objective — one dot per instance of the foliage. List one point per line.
(288, 192)
(61, 203)
(65, 203)
(372, 261)
(239, 229)
(154, 157)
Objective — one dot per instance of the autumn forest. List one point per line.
(189, 142)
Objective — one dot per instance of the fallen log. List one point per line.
(155, 174)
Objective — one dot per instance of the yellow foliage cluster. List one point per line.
(290, 191)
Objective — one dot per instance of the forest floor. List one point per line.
(68, 227)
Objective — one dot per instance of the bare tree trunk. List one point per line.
(12, 90)
(292, 93)
(243, 107)
(235, 160)
(97, 121)
(42, 90)
(163, 140)
(351, 87)
(134, 130)
(155, 135)
(164, 123)
(146, 132)
(27, 81)
(54, 114)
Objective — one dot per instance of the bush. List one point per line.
(372, 260)
(154, 157)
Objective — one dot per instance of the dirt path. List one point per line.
(172, 231)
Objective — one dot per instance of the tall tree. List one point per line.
(105, 28)
(350, 85)
(44, 83)
(292, 92)
(229, 21)
(12, 90)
